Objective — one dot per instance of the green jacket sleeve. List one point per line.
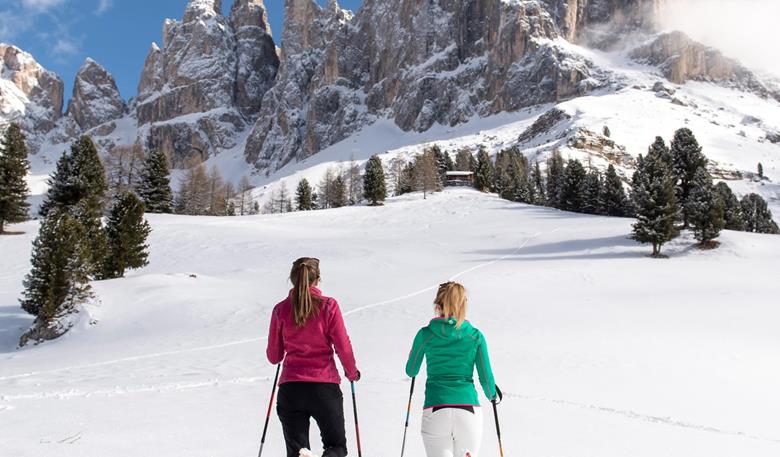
(416, 354)
(484, 370)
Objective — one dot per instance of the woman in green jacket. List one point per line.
(452, 347)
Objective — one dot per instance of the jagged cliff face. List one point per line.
(417, 62)
(601, 22)
(95, 98)
(197, 92)
(29, 94)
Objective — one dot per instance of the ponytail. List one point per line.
(451, 300)
(304, 274)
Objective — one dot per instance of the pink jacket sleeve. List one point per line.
(275, 349)
(337, 333)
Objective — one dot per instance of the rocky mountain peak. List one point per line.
(197, 9)
(29, 94)
(250, 13)
(95, 98)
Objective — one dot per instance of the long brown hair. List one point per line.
(452, 301)
(304, 274)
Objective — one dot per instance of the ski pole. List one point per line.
(357, 426)
(270, 405)
(408, 412)
(498, 427)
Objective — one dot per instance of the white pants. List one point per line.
(451, 432)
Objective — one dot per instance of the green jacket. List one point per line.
(451, 355)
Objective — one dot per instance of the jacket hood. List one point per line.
(446, 327)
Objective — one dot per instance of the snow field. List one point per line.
(600, 350)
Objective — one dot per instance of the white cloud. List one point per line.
(42, 5)
(66, 46)
(743, 29)
(103, 6)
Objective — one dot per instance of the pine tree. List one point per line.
(659, 147)
(554, 179)
(374, 181)
(705, 209)
(655, 202)
(303, 200)
(483, 176)
(732, 210)
(607, 132)
(615, 200)
(441, 162)
(79, 176)
(339, 196)
(464, 160)
(758, 217)
(760, 171)
(688, 159)
(13, 171)
(593, 193)
(127, 232)
(449, 165)
(538, 185)
(59, 278)
(571, 196)
(155, 186)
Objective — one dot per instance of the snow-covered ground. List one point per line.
(600, 350)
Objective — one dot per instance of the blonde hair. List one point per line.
(452, 301)
(304, 274)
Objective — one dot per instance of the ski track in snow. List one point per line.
(252, 340)
(643, 417)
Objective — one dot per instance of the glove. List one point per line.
(357, 378)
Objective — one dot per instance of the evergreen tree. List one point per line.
(732, 210)
(554, 179)
(155, 186)
(441, 162)
(659, 147)
(483, 176)
(13, 171)
(607, 132)
(760, 171)
(538, 184)
(303, 196)
(655, 202)
(59, 278)
(615, 201)
(464, 161)
(688, 159)
(339, 196)
(127, 232)
(571, 196)
(374, 181)
(758, 217)
(593, 193)
(449, 165)
(705, 209)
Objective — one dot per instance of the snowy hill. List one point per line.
(601, 350)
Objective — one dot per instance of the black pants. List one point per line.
(298, 403)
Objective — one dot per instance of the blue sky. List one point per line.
(60, 34)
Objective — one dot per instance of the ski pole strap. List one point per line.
(499, 395)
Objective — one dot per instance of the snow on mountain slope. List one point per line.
(601, 350)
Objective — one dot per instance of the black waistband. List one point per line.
(464, 408)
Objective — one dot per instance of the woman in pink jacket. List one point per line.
(306, 327)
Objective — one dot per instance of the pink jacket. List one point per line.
(308, 351)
